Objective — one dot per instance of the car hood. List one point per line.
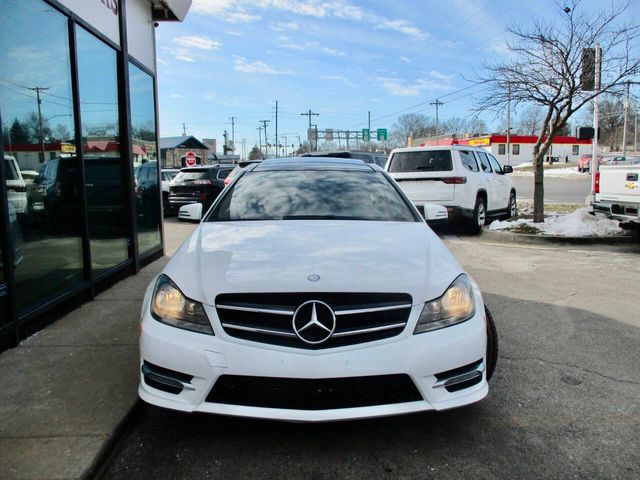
(279, 256)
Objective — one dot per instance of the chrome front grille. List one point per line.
(268, 317)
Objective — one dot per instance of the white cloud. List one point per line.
(338, 78)
(405, 59)
(237, 11)
(401, 88)
(233, 32)
(194, 41)
(311, 46)
(175, 95)
(242, 65)
(284, 26)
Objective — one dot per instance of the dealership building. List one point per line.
(563, 149)
(79, 117)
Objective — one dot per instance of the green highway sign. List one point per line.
(366, 135)
(382, 134)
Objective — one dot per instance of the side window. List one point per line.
(501, 149)
(382, 161)
(484, 162)
(515, 149)
(468, 160)
(494, 163)
(223, 173)
(575, 149)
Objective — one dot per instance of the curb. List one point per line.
(110, 445)
(511, 237)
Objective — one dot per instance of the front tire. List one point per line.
(479, 216)
(492, 344)
(512, 206)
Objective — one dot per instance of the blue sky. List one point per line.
(340, 58)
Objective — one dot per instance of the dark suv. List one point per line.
(200, 184)
(379, 159)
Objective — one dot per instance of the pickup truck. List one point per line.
(617, 189)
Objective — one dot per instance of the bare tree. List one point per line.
(255, 153)
(529, 120)
(477, 126)
(544, 68)
(455, 126)
(414, 125)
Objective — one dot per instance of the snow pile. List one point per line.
(523, 165)
(552, 172)
(580, 223)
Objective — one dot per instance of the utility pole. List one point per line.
(184, 130)
(244, 148)
(437, 103)
(40, 126)
(260, 138)
(596, 115)
(509, 126)
(266, 139)
(369, 127)
(310, 114)
(635, 132)
(233, 133)
(624, 127)
(276, 128)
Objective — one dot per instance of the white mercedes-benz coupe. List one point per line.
(313, 290)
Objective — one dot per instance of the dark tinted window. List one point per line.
(484, 162)
(10, 170)
(421, 161)
(313, 194)
(468, 161)
(223, 173)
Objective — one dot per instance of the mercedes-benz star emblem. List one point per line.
(314, 322)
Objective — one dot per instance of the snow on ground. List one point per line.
(523, 165)
(553, 172)
(577, 224)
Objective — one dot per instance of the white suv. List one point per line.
(469, 181)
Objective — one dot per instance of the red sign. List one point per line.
(190, 159)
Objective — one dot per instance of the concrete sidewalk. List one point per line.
(65, 390)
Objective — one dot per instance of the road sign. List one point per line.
(190, 159)
(366, 135)
(382, 134)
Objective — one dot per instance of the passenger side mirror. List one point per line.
(190, 213)
(435, 212)
(507, 169)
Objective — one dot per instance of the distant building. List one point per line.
(174, 149)
(563, 148)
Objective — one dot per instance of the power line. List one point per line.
(311, 114)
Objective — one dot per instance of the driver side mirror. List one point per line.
(190, 213)
(507, 169)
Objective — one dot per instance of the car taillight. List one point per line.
(596, 183)
(454, 180)
(227, 181)
(202, 182)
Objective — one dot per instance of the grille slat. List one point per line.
(267, 318)
(314, 394)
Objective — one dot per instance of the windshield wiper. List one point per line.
(319, 217)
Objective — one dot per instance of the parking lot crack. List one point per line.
(570, 365)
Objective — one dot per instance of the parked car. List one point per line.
(16, 186)
(239, 167)
(201, 184)
(469, 181)
(280, 306)
(379, 159)
(168, 174)
(584, 162)
(617, 192)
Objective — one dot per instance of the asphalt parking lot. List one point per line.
(564, 402)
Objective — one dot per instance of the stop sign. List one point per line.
(190, 159)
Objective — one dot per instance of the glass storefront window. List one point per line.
(103, 163)
(43, 181)
(145, 158)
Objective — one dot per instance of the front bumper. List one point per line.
(421, 357)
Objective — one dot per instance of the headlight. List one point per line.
(454, 306)
(170, 306)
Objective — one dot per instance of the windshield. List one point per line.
(421, 161)
(311, 195)
(191, 175)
